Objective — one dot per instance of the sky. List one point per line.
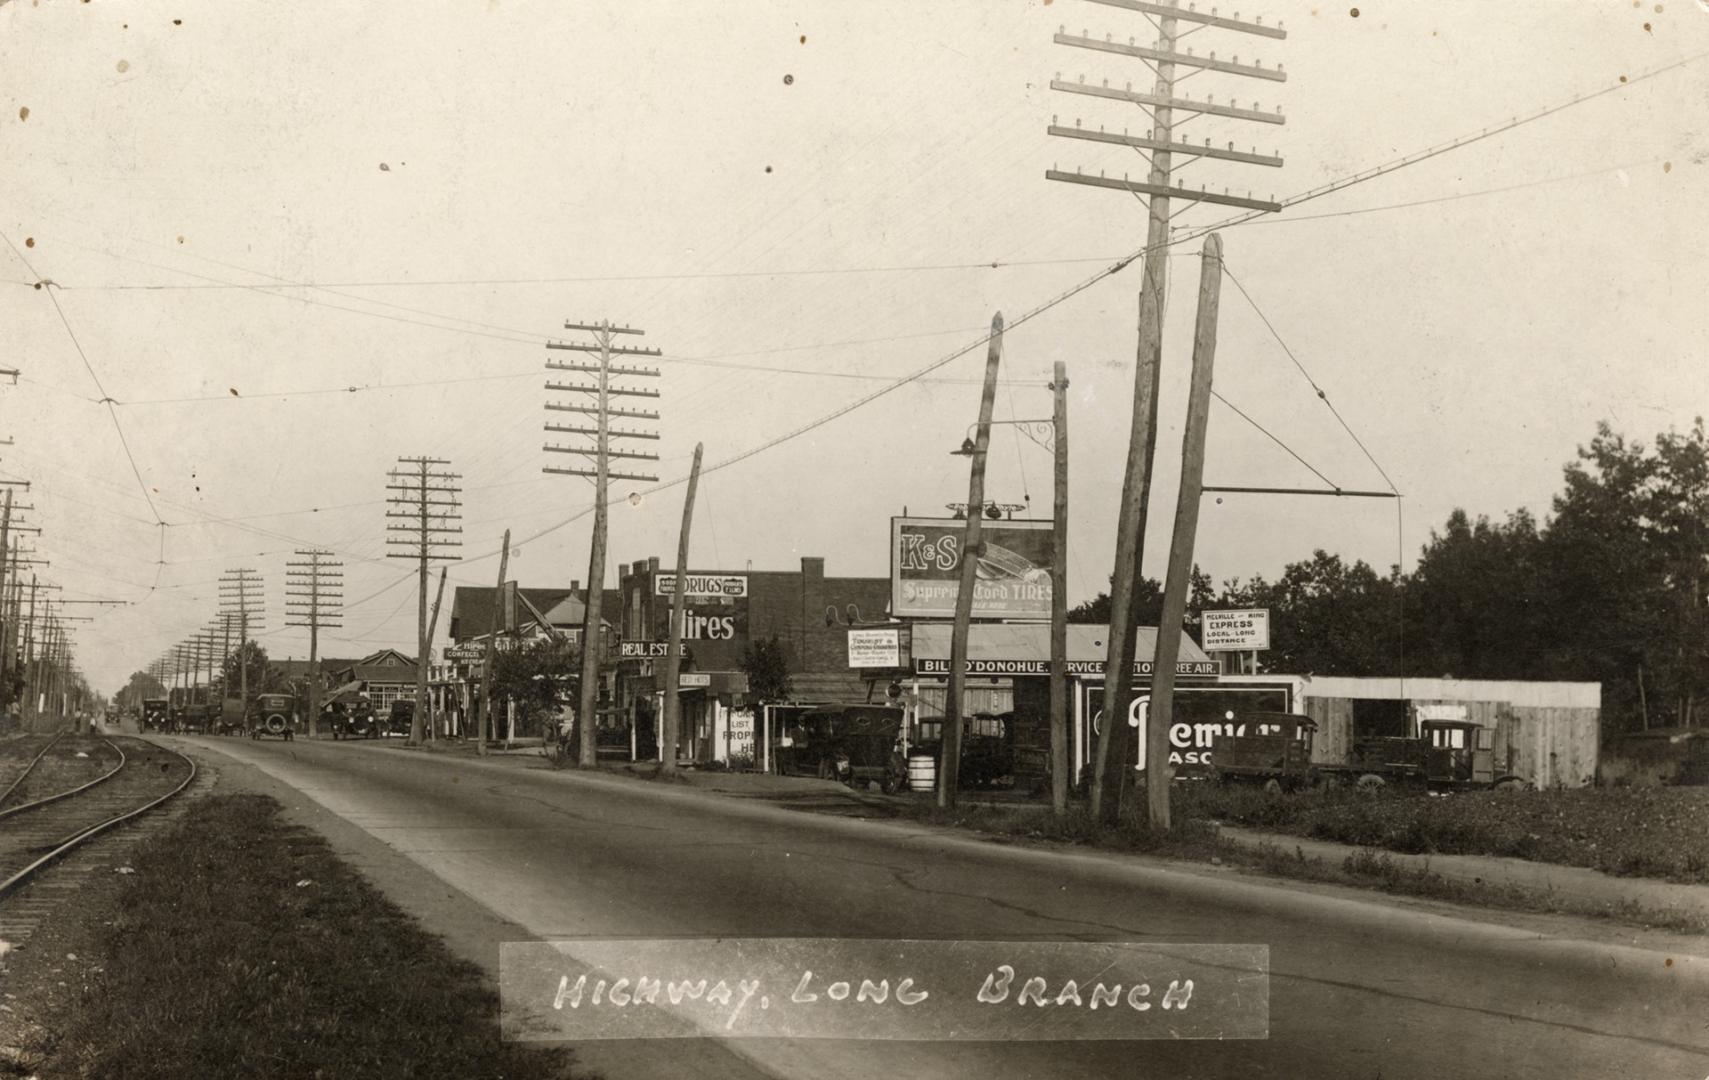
(291, 244)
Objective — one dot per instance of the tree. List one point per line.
(1476, 605)
(1326, 617)
(1625, 556)
(539, 677)
(767, 668)
(264, 678)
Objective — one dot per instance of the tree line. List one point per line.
(1610, 588)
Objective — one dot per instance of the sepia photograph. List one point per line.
(811, 539)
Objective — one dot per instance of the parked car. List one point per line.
(273, 714)
(855, 744)
(231, 717)
(352, 720)
(987, 748)
(402, 717)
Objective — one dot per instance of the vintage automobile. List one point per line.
(855, 744)
(987, 748)
(231, 717)
(400, 718)
(1272, 749)
(155, 713)
(273, 714)
(352, 719)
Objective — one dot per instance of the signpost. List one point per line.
(881, 648)
(1236, 631)
(1239, 631)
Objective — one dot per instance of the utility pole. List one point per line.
(6, 616)
(949, 771)
(1059, 765)
(487, 695)
(432, 627)
(673, 651)
(241, 598)
(314, 598)
(427, 498)
(602, 392)
(1112, 774)
(1157, 768)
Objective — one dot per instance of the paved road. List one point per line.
(1358, 989)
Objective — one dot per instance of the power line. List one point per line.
(108, 401)
(1123, 263)
(1321, 394)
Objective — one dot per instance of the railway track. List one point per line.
(46, 827)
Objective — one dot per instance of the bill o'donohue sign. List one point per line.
(1011, 572)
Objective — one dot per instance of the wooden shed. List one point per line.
(1553, 729)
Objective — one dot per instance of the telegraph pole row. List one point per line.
(426, 497)
(601, 391)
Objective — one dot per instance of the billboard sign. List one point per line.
(1201, 713)
(881, 648)
(1235, 631)
(1011, 572)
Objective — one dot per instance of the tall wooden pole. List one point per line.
(1112, 775)
(588, 715)
(1157, 766)
(949, 772)
(483, 726)
(427, 649)
(1059, 764)
(673, 651)
(5, 611)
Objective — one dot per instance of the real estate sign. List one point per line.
(1011, 568)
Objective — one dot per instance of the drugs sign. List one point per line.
(1236, 631)
(1011, 569)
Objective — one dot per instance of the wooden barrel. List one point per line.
(922, 773)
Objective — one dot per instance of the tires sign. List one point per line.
(1011, 569)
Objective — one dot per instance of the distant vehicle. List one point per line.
(353, 720)
(196, 717)
(273, 714)
(156, 714)
(400, 719)
(231, 717)
(987, 748)
(1274, 749)
(855, 744)
(1268, 748)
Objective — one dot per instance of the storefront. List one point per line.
(1014, 658)
(800, 616)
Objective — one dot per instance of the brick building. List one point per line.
(727, 611)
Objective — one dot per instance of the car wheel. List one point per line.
(1371, 782)
(1272, 786)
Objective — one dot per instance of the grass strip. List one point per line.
(244, 947)
(1196, 839)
